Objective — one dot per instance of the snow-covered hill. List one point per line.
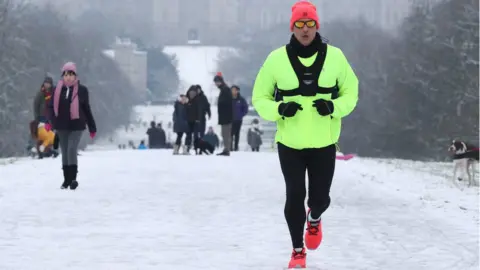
(148, 210)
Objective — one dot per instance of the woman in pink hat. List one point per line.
(306, 87)
(70, 114)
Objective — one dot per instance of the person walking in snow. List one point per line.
(306, 87)
(180, 122)
(240, 109)
(194, 115)
(225, 113)
(70, 113)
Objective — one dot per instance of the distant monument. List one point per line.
(193, 37)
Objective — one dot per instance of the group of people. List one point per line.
(157, 139)
(192, 109)
(61, 115)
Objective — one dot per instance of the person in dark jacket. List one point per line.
(152, 133)
(180, 122)
(205, 110)
(162, 137)
(240, 109)
(42, 103)
(194, 112)
(69, 114)
(225, 112)
(42, 99)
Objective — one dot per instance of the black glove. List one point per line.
(289, 109)
(324, 107)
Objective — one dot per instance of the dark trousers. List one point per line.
(320, 165)
(256, 149)
(178, 141)
(192, 132)
(56, 141)
(202, 128)
(236, 127)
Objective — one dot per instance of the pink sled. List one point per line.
(345, 157)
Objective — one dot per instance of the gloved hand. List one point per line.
(324, 107)
(48, 127)
(92, 134)
(289, 109)
(41, 148)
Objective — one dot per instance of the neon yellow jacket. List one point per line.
(307, 129)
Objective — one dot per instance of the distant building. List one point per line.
(132, 62)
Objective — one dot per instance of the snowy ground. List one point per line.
(149, 210)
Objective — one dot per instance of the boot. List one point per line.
(224, 153)
(66, 177)
(298, 259)
(186, 150)
(73, 176)
(313, 235)
(176, 148)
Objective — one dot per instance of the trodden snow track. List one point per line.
(150, 210)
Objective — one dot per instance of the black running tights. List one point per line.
(320, 165)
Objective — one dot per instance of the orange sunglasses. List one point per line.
(309, 24)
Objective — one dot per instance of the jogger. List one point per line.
(306, 87)
(69, 141)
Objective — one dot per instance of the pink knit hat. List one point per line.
(303, 10)
(69, 66)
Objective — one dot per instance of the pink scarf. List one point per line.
(74, 105)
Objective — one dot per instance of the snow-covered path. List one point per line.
(149, 210)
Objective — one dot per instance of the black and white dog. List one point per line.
(465, 157)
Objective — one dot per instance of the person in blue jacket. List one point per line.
(240, 109)
(142, 145)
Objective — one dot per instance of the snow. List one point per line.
(149, 210)
(109, 53)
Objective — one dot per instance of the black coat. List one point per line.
(63, 120)
(180, 123)
(225, 105)
(194, 110)
(205, 107)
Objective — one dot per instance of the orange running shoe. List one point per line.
(298, 260)
(313, 235)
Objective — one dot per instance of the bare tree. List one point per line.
(418, 90)
(35, 42)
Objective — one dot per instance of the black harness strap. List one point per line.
(307, 76)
